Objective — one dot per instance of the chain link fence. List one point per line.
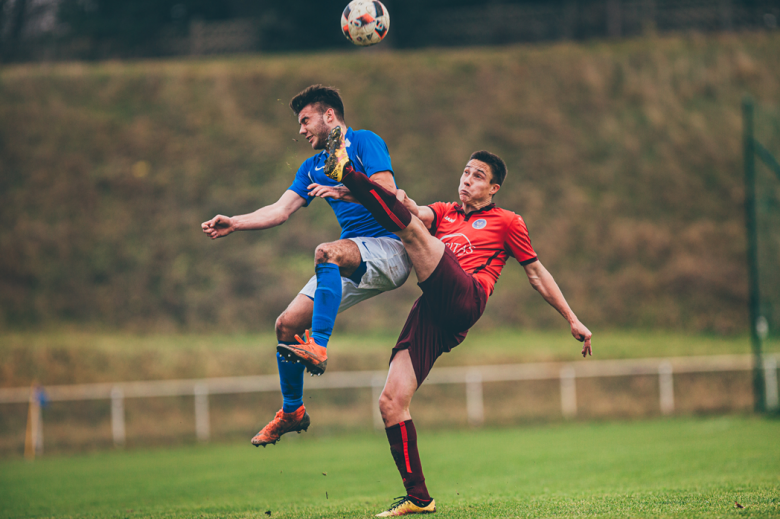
(499, 24)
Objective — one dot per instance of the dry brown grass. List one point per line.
(624, 159)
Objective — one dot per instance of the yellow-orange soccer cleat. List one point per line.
(308, 353)
(406, 505)
(282, 423)
(337, 154)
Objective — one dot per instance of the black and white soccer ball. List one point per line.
(365, 22)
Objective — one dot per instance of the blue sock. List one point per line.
(291, 380)
(327, 299)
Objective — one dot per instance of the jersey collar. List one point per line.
(488, 207)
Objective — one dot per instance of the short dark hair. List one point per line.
(497, 166)
(322, 96)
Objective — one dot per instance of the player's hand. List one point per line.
(410, 204)
(582, 334)
(218, 227)
(335, 192)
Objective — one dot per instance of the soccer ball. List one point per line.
(365, 22)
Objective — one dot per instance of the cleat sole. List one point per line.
(331, 145)
(303, 427)
(312, 369)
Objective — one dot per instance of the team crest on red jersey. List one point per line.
(479, 224)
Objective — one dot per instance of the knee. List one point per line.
(325, 253)
(285, 329)
(389, 407)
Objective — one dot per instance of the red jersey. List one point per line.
(482, 240)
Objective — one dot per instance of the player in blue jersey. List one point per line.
(367, 259)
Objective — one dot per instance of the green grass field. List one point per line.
(672, 468)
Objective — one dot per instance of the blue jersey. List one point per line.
(369, 155)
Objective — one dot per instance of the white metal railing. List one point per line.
(472, 376)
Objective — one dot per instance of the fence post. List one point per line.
(770, 382)
(118, 416)
(33, 442)
(475, 408)
(202, 428)
(377, 383)
(749, 151)
(568, 392)
(666, 387)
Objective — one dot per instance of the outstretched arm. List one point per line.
(385, 180)
(544, 283)
(264, 218)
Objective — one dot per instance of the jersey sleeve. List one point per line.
(517, 241)
(439, 210)
(371, 151)
(301, 182)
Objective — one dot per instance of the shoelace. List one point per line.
(305, 334)
(398, 502)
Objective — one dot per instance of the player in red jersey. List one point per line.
(458, 251)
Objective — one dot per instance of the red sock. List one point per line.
(403, 446)
(381, 203)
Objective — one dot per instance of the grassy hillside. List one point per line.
(77, 357)
(624, 159)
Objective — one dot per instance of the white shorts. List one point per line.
(387, 267)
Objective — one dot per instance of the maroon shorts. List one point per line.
(452, 302)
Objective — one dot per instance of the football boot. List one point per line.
(282, 423)
(313, 356)
(337, 155)
(407, 505)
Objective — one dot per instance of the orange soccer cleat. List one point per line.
(282, 423)
(406, 505)
(308, 352)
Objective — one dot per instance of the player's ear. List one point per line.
(494, 189)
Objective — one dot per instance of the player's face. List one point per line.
(314, 126)
(475, 187)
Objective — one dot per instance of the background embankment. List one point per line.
(624, 159)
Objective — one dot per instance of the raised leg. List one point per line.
(425, 251)
(332, 261)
